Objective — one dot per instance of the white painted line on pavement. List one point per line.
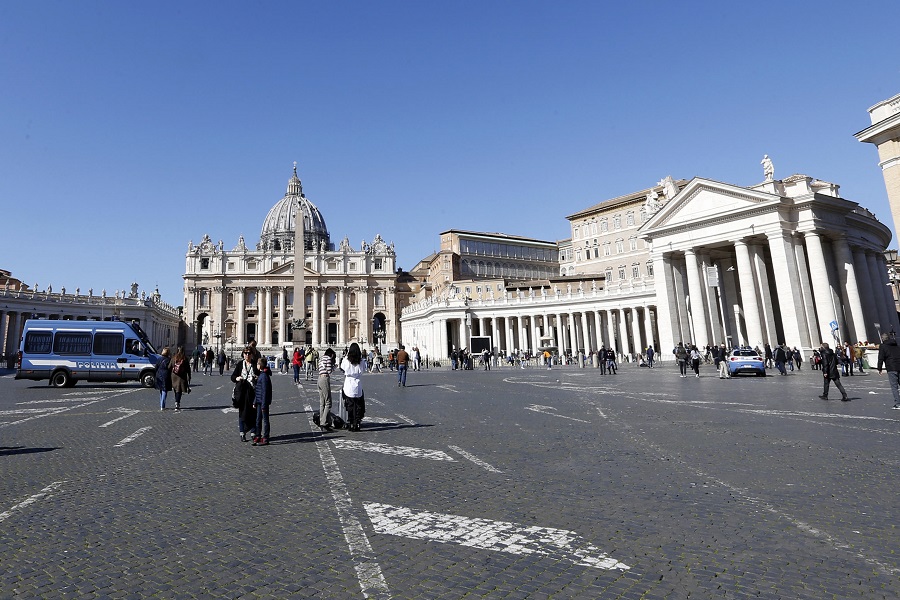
(475, 459)
(229, 409)
(29, 411)
(407, 419)
(545, 410)
(382, 420)
(49, 412)
(59, 400)
(485, 534)
(133, 436)
(368, 571)
(394, 450)
(449, 388)
(31, 499)
(129, 412)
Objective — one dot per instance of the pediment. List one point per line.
(704, 200)
(288, 269)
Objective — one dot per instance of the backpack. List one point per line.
(177, 367)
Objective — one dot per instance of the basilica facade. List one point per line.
(248, 292)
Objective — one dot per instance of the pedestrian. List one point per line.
(454, 358)
(695, 360)
(611, 362)
(310, 359)
(548, 360)
(768, 356)
(208, 361)
(326, 368)
(798, 358)
(417, 359)
(285, 360)
(256, 353)
(163, 378)
(353, 366)
(722, 359)
(196, 358)
(486, 359)
(650, 353)
(262, 399)
(221, 360)
(830, 372)
(296, 361)
(244, 377)
(601, 358)
(181, 376)
(376, 364)
(780, 357)
(402, 358)
(889, 358)
(858, 353)
(681, 355)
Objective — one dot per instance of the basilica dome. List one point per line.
(278, 229)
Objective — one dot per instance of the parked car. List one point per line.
(746, 360)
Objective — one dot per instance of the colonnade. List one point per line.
(794, 288)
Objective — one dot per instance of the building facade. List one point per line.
(884, 133)
(695, 261)
(247, 293)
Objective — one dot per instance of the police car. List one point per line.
(746, 360)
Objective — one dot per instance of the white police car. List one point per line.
(746, 360)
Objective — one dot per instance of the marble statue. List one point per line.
(768, 167)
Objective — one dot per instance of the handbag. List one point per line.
(236, 395)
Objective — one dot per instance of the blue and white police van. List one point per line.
(64, 352)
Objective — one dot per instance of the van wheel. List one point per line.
(60, 379)
(148, 379)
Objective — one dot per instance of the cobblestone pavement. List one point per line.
(513, 483)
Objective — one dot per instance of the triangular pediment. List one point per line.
(288, 269)
(703, 200)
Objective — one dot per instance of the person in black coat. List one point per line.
(831, 372)
(163, 378)
(244, 377)
(889, 358)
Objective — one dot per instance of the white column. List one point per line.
(598, 330)
(523, 336)
(240, 335)
(648, 328)
(585, 337)
(495, 334)
(790, 296)
(880, 300)
(698, 304)
(748, 294)
(343, 319)
(666, 305)
(849, 290)
(818, 275)
(808, 326)
(535, 332)
(623, 333)
(611, 328)
(869, 306)
(636, 331)
(560, 334)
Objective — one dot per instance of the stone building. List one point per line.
(234, 296)
(699, 261)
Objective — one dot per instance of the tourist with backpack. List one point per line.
(181, 376)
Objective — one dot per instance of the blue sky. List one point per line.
(128, 129)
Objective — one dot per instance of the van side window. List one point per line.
(72, 343)
(108, 343)
(38, 342)
(134, 347)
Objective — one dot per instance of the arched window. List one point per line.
(332, 298)
(352, 298)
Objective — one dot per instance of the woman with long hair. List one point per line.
(353, 366)
(244, 377)
(181, 376)
(163, 378)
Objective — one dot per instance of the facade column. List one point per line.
(871, 312)
(790, 298)
(880, 300)
(666, 305)
(636, 331)
(850, 290)
(623, 333)
(535, 333)
(808, 327)
(598, 330)
(611, 329)
(648, 329)
(495, 335)
(240, 334)
(560, 334)
(818, 275)
(748, 294)
(585, 334)
(766, 305)
(698, 303)
(267, 316)
(523, 339)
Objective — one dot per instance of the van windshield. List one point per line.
(143, 337)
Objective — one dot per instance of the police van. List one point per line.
(64, 352)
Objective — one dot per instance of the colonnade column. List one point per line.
(598, 330)
(665, 300)
(636, 331)
(869, 306)
(698, 304)
(585, 334)
(623, 333)
(536, 339)
(560, 334)
(240, 334)
(748, 294)
(786, 274)
(809, 328)
(648, 329)
(818, 275)
(879, 300)
(847, 278)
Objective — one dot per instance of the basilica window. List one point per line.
(378, 264)
(609, 274)
(379, 299)
(230, 300)
(578, 255)
(230, 265)
(353, 266)
(353, 299)
(204, 299)
(250, 298)
(308, 299)
(332, 298)
(204, 264)
(275, 300)
(251, 265)
(290, 298)
(594, 228)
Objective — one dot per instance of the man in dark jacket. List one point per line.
(831, 372)
(889, 357)
(780, 357)
(262, 399)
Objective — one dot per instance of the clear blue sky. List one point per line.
(128, 129)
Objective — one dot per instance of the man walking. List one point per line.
(831, 372)
(402, 358)
(889, 357)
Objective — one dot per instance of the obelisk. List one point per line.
(299, 317)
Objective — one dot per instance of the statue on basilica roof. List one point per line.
(345, 245)
(670, 190)
(768, 167)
